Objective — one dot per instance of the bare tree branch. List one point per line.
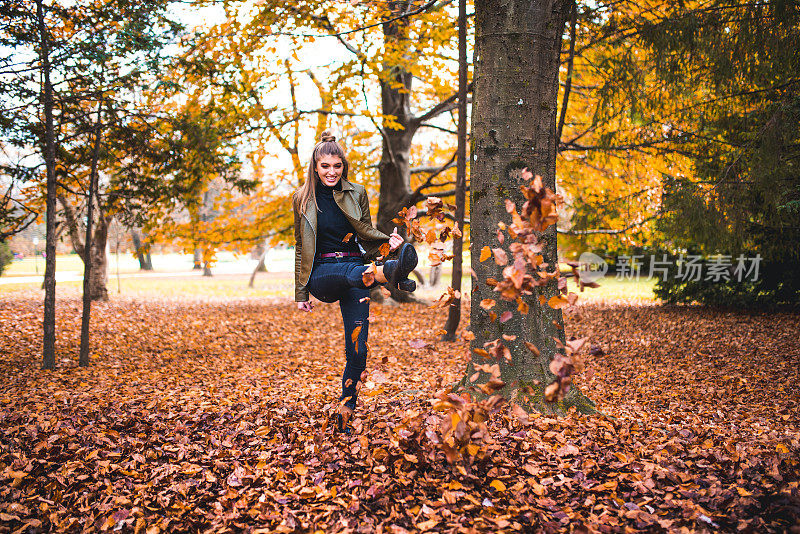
(417, 195)
(448, 104)
(429, 125)
(418, 170)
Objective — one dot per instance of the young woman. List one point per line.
(334, 238)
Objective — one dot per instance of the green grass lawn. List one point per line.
(221, 286)
(610, 289)
(273, 284)
(613, 289)
(31, 265)
(127, 263)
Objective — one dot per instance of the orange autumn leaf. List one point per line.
(557, 302)
(430, 237)
(354, 336)
(488, 304)
(300, 469)
(500, 256)
(368, 276)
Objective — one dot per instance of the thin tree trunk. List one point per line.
(49, 322)
(207, 256)
(142, 252)
(198, 259)
(568, 84)
(515, 97)
(73, 230)
(435, 275)
(97, 249)
(99, 280)
(116, 251)
(454, 311)
(83, 359)
(262, 265)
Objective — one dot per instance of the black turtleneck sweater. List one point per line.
(332, 225)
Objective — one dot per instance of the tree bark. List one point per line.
(394, 168)
(49, 321)
(83, 358)
(262, 265)
(99, 269)
(207, 256)
(435, 275)
(454, 311)
(142, 252)
(98, 283)
(515, 97)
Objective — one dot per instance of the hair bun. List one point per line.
(327, 136)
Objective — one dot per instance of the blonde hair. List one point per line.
(327, 146)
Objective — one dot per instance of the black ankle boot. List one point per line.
(341, 427)
(407, 285)
(397, 271)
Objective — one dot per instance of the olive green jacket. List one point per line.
(353, 202)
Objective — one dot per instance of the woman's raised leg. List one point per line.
(329, 281)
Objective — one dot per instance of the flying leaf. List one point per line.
(368, 276)
(557, 302)
(500, 256)
(430, 237)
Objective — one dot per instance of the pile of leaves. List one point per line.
(213, 416)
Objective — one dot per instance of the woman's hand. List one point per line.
(305, 306)
(395, 240)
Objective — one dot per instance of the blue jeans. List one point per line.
(339, 279)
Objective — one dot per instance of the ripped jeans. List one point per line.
(339, 279)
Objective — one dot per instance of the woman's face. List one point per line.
(329, 169)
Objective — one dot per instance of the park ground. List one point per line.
(205, 409)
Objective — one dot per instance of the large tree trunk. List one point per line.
(518, 44)
(49, 321)
(394, 167)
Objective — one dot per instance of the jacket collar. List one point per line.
(311, 208)
(347, 186)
